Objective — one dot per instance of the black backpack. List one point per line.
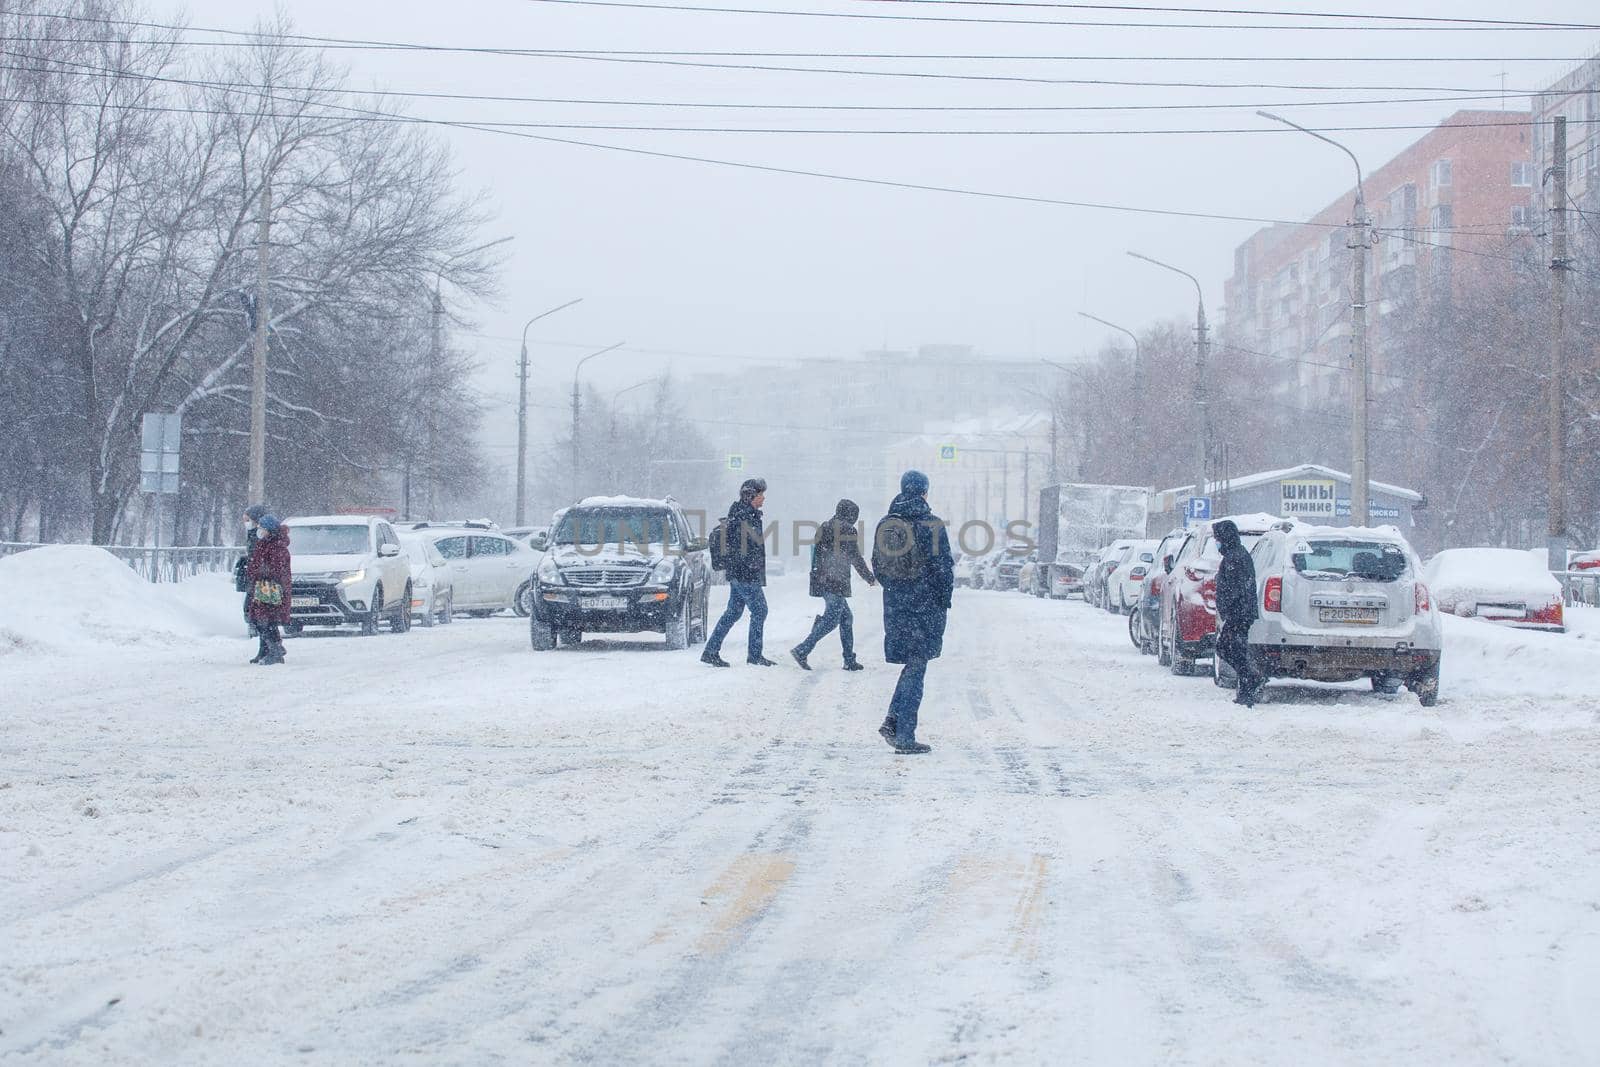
(896, 555)
(719, 545)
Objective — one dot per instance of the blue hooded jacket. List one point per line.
(914, 609)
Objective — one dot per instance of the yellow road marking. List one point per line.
(745, 889)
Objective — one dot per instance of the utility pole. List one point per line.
(1360, 479)
(431, 405)
(1055, 478)
(1556, 542)
(258, 360)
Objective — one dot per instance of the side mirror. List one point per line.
(1166, 564)
(539, 542)
(388, 551)
(698, 544)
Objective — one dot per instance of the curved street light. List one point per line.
(1360, 486)
(575, 371)
(1201, 346)
(522, 412)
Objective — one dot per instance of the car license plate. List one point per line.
(605, 603)
(1360, 616)
(303, 602)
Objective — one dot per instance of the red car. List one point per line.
(1188, 613)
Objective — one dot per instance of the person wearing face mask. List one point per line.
(252, 515)
(271, 580)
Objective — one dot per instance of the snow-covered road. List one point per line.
(442, 847)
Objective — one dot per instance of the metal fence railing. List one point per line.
(159, 564)
(1580, 587)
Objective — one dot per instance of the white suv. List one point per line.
(348, 569)
(1341, 603)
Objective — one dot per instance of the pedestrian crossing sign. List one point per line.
(736, 462)
(947, 453)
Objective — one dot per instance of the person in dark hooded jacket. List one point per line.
(271, 580)
(912, 561)
(746, 567)
(1236, 609)
(836, 551)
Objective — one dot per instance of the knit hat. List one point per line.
(269, 523)
(254, 512)
(752, 488)
(914, 483)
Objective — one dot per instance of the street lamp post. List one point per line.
(522, 412)
(1201, 349)
(1138, 371)
(1360, 229)
(575, 371)
(612, 436)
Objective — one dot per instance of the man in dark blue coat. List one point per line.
(912, 561)
(836, 551)
(746, 568)
(1236, 609)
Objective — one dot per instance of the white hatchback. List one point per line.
(1341, 603)
(489, 571)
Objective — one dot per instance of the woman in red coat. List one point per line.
(268, 574)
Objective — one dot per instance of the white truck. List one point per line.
(1075, 522)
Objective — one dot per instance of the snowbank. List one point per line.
(1499, 661)
(78, 598)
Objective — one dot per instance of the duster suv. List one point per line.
(620, 565)
(348, 569)
(1341, 603)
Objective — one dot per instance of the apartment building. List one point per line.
(1576, 96)
(1465, 187)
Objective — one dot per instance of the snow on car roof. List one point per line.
(620, 502)
(332, 520)
(1260, 522)
(1250, 481)
(1343, 533)
(1490, 571)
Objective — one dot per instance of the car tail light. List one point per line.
(1272, 595)
(1194, 575)
(1549, 615)
(1138, 573)
(1424, 605)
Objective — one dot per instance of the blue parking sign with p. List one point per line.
(1199, 508)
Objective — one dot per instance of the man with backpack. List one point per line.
(911, 558)
(738, 550)
(837, 549)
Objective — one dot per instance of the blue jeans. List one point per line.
(740, 595)
(835, 613)
(906, 700)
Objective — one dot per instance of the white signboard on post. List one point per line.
(160, 439)
(1309, 497)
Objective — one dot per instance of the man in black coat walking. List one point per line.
(836, 551)
(1236, 609)
(911, 558)
(745, 555)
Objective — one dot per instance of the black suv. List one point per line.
(620, 565)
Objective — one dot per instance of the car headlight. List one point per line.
(352, 577)
(549, 573)
(662, 572)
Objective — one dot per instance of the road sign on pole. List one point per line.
(736, 462)
(1198, 509)
(160, 442)
(947, 453)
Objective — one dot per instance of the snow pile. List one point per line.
(78, 598)
(1465, 576)
(1498, 661)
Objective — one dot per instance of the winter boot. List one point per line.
(800, 658)
(915, 748)
(760, 661)
(712, 659)
(853, 665)
(886, 731)
(263, 650)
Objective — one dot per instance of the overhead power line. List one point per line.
(1061, 5)
(1374, 24)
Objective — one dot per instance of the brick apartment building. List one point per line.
(1465, 186)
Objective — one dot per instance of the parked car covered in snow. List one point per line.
(1096, 580)
(963, 571)
(1144, 623)
(1127, 579)
(348, 569)
(1188, 617)
(431, 585)
(1502, 585)
(490, 572)
(621, 565)
(1341, 603)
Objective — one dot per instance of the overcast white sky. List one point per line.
(690, 257)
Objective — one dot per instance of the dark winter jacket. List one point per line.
(746, 551)
(1236, 578)
(837, 549)
(240, 582)
(914, 609)
(269, 560)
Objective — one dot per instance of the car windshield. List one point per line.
(342, 540)
(616, 526)
(1373, 561)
